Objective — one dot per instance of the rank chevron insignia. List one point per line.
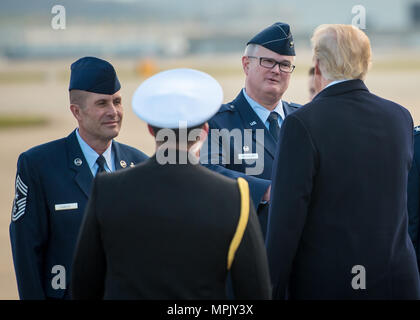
(19, 204)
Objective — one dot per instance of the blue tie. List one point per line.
(101, 164)
(274, 127)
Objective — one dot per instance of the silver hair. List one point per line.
(251, 49)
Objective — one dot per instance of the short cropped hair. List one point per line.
(78, 97)
(343, 51)
(251, 49)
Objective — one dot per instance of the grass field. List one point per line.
(39, 89)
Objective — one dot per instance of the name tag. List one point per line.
(247, 156)
(66, 206)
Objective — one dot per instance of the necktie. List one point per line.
(101, 164)
(274, 127)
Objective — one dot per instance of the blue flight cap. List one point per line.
(277, 38)
(94, 75)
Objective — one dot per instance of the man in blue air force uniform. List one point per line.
(53, 181)
(256, 114)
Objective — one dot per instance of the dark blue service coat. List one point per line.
(413, 199)
(53, 182)
(339, 200)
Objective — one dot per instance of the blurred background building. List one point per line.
(137, 28)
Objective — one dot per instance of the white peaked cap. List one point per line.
(178, 95)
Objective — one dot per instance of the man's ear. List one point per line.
(149, 127)
(245, 64)
(318, 78)
(75, 109)
(317, 70)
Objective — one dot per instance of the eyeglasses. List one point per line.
(271, 63)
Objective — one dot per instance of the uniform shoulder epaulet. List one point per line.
(416, 130)
(41, 150)
(226, 107)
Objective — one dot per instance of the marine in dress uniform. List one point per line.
(178, 228)
(250, 115)
(53, 182)
(337, 226)
(413, 196)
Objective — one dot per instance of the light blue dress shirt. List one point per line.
(91, 156)
(262, 112)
